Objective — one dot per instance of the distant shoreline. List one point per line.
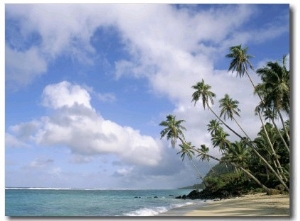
(255, 205)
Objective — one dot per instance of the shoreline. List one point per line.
(255, 205)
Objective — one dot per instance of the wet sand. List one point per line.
(256, 205)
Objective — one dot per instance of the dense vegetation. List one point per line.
(261, 163)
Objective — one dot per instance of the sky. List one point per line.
(86, 86)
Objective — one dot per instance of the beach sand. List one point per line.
(255, 205)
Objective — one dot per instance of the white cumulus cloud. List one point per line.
(77, 126)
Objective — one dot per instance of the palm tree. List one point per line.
(275, 89)
(240, 61)
(213, 127)
(238, 153)
(202, 91)
(186, 150)
(173, 129)
(220, 139)
(229, 108)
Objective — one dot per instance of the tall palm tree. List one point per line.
(202, 92)
(240, 63)
(173, 129)
(275, 88)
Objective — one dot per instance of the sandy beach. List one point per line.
(250, 205)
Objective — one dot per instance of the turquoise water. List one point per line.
(74, 202)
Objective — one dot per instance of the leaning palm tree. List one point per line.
(202, 92)
(173, 129)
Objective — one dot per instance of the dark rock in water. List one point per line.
(195, 194)
(137, 197)
(178, 197)
(155, 197)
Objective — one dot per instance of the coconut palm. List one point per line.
(202, 92)
(275, 88)
(173, 129)
(240, 61)
(213, 127)
(220, 139)
(186, 150)
(229, 108)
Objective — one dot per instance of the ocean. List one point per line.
(43, 202)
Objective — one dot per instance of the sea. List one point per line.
(49, 202)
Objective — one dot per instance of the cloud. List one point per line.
(22, 67)
(12, 141)
(65, 94)
(172, 48)
(76, 125)
(39, 163)
(173, 39)
(107, 97)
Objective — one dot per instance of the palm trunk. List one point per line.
(285, 144)
(284, 127)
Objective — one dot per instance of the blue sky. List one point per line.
(86, 87)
